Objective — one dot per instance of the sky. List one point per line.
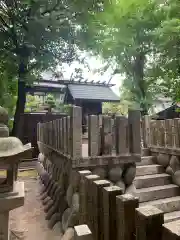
(92, 69)
(92, 72)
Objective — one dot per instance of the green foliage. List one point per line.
(37, 35)
(125, 31)
(50, 101)
(63, 108)
(144, 39)
(166, 68)
(32, 103)
(115, 108)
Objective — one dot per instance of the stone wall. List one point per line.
(60, 193)
(64, 153)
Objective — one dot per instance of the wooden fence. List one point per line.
(106, 214)
(28, 131)
(65, 137)
(162, 136)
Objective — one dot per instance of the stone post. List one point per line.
(122, 143)
(93, 135)
(89, 200)
(76, 134)
(98, 215)
(106, 135)
(8, 202)
(125, 207)
(134, 131)
(83, 197)
(149, 222)
(82, 232)
(109, 209)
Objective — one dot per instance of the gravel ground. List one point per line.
(28, 222)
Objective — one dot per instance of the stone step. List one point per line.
(152, 180)
(171, 230)
(158, 192)
(146, 160)
(145, 151)
(167, 205)
(149, 169)
(171, 216)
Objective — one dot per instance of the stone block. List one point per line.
(149, 222)
(126, 205)
(82, 232)
(163, 159)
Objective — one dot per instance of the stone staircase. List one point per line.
(154, 187)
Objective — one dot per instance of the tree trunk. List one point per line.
(21, 101)
(144, 110)
(139, 81)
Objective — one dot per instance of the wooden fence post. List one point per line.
(126, 205)
(149, 222)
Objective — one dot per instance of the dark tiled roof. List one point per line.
(92, 92)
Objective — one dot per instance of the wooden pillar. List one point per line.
(149, 222)
(126, 205)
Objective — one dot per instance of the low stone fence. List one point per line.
(64, 153)
(106, 213)
(162, 137)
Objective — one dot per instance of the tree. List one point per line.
(166, 68)
(37, 34)
(124, 30)
(8, 87)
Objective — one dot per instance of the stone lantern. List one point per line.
(11, 192)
